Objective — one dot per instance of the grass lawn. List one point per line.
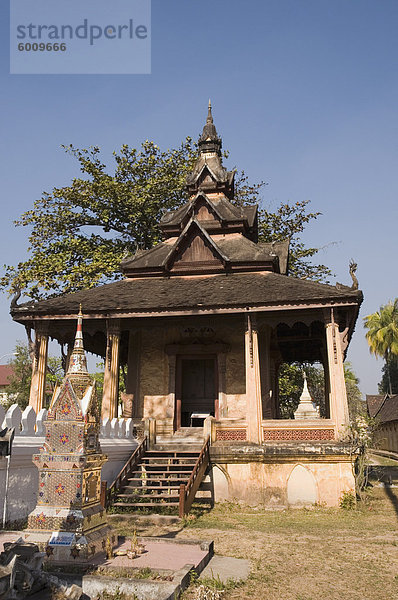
(306, 554)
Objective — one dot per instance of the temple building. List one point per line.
(201, 323)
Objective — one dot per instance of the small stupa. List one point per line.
(69, 523)
(307, 409)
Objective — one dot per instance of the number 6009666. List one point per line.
(41, 47)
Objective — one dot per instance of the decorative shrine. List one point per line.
(69, 521)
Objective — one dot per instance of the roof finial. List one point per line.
(209, 142)
(209, 114)
(77, 361)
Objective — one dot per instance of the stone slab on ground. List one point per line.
(161, 553)
(226, 567)
(173, 557)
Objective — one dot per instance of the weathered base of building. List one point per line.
(281, 475)
(83, 549)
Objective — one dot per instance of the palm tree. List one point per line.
(382, 334)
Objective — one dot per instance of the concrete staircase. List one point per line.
(186, 438)
(154, 482)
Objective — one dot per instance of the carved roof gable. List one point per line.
(195, 246)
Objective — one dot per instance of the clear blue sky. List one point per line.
(304, 96)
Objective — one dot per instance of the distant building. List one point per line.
(384, 409)
(6, 372)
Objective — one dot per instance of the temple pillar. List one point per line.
(39, 369)
(338, 394)
(111, 374)
(172, 387)
(265, 372)
(253, 384)
(326, 379)
(274, 368)
(68, 355)
(222, 397)
(133, 373)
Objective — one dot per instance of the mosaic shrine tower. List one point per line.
(69, 522)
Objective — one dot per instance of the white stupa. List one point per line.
(307, 408)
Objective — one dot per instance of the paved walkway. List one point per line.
(226, 568)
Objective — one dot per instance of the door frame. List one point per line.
(178, 384)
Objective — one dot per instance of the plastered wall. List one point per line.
(282, 484)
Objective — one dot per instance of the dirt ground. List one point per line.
(305, 554)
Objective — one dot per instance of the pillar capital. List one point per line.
(41, 328)
(113, 327)
(251, 321)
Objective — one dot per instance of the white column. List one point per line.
(338, 394)
(253, 385)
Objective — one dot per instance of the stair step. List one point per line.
(163, 480)
(150, 487)
(164, 465)
(175, 453)
(193, 448)
(152, 463)
(154, 497)
(168, 456)
(145, 504)
(159, 469)
(155, 481)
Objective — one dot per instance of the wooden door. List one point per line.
(196, 388)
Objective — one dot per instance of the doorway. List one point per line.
(195, 390)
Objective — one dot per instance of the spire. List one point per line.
(77, 361)
(209, 142)
(209, 115)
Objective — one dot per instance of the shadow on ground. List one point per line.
(393, 498)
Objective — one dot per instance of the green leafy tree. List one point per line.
(19, 383)
(19, 386)
(389, 374)
(99, 380)
(288, 222)
(80, 233)
(54, 375)
(382, 335)
(356, 406)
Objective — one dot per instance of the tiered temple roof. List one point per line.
(209, 260)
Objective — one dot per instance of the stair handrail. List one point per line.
(188, 490)
(127, 468)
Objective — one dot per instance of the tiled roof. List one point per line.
(156, 294)
(374, 401)
(6, 372)
(236, 248)
(388, 411)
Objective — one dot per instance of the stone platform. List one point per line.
(171, 559)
